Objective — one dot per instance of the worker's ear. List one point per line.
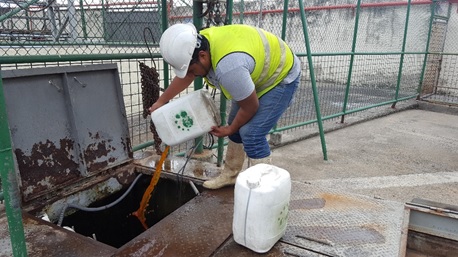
(204, 57)
(203, 54)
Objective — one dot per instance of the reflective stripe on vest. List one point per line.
(264, 84)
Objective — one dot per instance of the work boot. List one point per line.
(266, 160)
(235, 156)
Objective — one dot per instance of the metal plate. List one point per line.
(44, 239)
(324, 222)
(194, 230)
(66, 123)
(336, 223)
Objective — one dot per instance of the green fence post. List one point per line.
(222, 98)
(285, 16)
(197, 7)
(83, 19)
(352, 59)
(401, 61)
(165, 25)
(104, 18)
(312, 77)
(9, 183)
(283, 36)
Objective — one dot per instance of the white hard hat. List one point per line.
(177, 46)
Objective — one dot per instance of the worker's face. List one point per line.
(202, 66)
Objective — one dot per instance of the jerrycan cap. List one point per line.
(253, 180)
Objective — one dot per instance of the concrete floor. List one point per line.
(402, 156)
(405, 155)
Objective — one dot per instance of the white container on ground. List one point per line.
(261, 204)
(185, 118)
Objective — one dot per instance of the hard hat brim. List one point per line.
(180, 73)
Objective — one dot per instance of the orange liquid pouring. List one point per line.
(140, 213)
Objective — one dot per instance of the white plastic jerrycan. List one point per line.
(261, 204)
(185, 118)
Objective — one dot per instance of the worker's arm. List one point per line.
(174, 89)
(248, 108)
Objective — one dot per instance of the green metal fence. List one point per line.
(355, 56)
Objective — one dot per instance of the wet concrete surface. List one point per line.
(46, 239)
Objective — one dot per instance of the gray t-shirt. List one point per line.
(233, 72)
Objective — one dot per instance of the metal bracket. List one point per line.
(59, 89)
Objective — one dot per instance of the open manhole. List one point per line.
(116, 226)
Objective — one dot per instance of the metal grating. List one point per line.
(325, 222)
(340, 224)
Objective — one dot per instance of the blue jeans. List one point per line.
(271, 106)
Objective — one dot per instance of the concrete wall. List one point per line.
(381, 30)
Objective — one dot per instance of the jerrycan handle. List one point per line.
(254, 180)
(271, 171)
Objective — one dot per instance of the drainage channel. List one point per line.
(116, 226)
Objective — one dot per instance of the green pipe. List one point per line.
(283, 28)
(150, 143)
(312, 77)
(9, 183)
(142, 146)
(373, 53)
(16, 10)
(96, 57)
(183, 154)
(96, 42)
(72, 57)
(27, 20)
(428, 40)
(229, 10)
(186, 3)
(197, 7)
(222, 98)
(104, 34)
(83, 19)
(401, 61)
(340, 114)
(352, 59)
(441, 17)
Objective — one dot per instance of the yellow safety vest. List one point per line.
(273, 58)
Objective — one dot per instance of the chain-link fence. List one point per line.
(365, 67)
(440, 83)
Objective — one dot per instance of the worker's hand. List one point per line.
(155, 106)
(221, 131)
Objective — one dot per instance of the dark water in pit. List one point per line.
(116, 226)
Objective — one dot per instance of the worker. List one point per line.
(252, 67)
